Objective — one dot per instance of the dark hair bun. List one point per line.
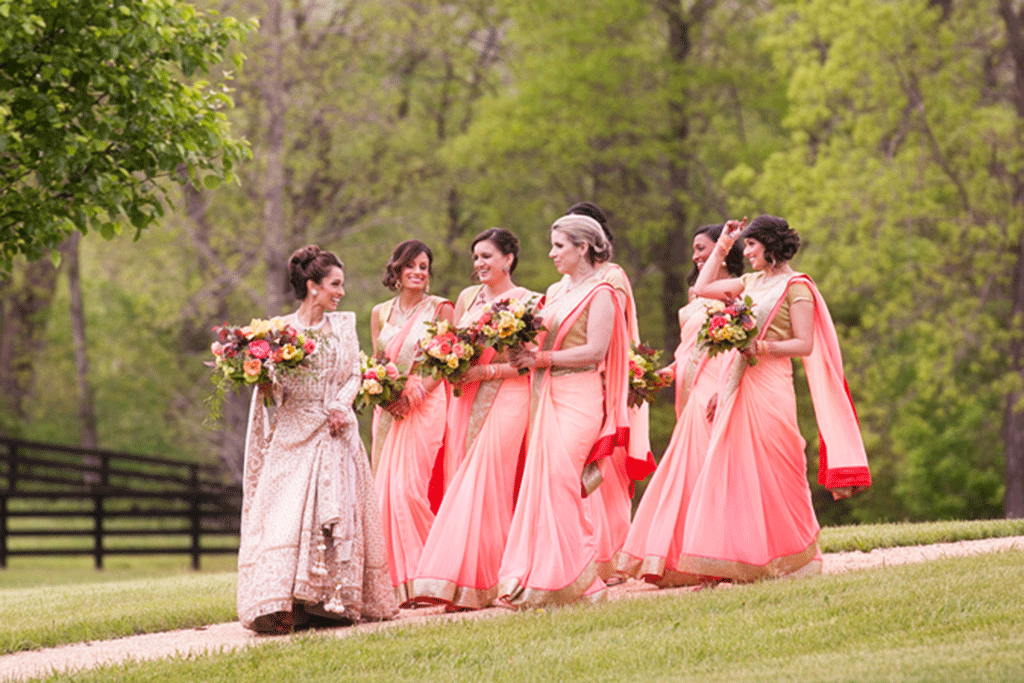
(780, 241)
(309, 263)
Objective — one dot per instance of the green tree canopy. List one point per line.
(95, 112)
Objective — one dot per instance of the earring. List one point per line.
(313, 292)
(505, 270)
(426, 289)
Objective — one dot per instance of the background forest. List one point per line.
(888, 133)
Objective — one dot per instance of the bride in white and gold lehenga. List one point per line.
(312, 548)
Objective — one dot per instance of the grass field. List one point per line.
(949, 620)
(961, 616)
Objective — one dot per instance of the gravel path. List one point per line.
(225, 637)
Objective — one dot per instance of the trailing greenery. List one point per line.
(956, 619)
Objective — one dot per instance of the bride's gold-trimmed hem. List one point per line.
(741, 572)
(513, 594)
(442, 591)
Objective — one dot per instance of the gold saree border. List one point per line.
(746, 573)
(519, 596)
(652, 569)
(442, 590)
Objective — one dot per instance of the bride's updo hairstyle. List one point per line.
(585, 230)
(780, 241)
(403, 255)
(506, 242)
(309, 263)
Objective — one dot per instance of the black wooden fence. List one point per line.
(80, 499)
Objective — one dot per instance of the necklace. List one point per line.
(403, 314)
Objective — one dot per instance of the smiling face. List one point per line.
(416, 273)
(489, 264)
(753, 251)
(702, 246)
(330, 289)
(565, 255)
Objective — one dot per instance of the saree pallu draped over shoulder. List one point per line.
(486, 434)
(751, 516)
(610, 505)
(550, 556)
(407, 452)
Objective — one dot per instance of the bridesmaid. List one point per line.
(407, 438)
(609, 507)
(486, 430)
(653, 544)
(750, 516)
(577, 418)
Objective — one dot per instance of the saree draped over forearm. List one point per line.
(750, 515)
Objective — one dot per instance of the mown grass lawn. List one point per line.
(958, 619)
(46, 602)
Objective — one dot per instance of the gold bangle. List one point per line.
(725, 242)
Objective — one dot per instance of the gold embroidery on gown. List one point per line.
(311, 538)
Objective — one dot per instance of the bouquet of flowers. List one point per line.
(381, 381)
(506, 324)
(446, 351)
(644, 381)
(728, 327)
(258, 353)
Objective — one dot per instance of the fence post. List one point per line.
(12, 475)
(97, 501)
(3, 531)
(195, 512)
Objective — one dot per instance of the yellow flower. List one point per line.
(372, 387)
(289, 352)
(452, 361)
(716, 307)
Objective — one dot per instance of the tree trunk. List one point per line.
(272, 93)
(25, 299)
(1013, 424)
(86, 398)
(1013, 421)
(672, 256)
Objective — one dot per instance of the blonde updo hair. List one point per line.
(585, 230)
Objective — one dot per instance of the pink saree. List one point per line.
(550, 556)
(655, 536)
(486, 431)
(610, 505)
(750, 516)
(405, 453)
